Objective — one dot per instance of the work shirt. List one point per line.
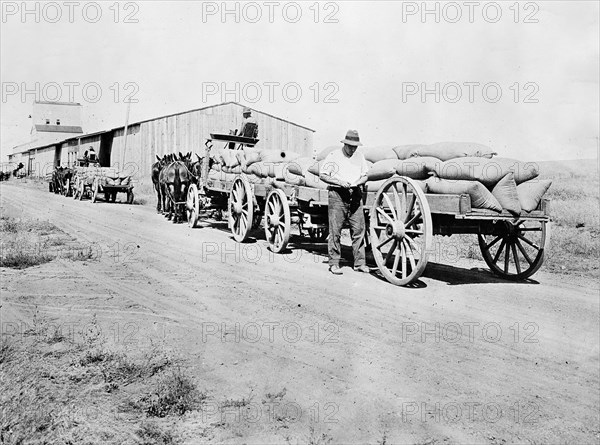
(350, 169)
(250, 120)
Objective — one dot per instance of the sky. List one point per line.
(519, 77)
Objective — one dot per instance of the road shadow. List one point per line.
(456, 276)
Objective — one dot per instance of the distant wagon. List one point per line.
(90, 180)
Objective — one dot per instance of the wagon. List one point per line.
(401, 223)
(90, 181)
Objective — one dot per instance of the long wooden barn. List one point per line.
(180, 132)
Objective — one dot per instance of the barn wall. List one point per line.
(188, 132)
(42, 161)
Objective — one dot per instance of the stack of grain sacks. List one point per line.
(493, 183)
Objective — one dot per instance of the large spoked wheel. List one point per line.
(95, 190)
(192, 206)
(516, 249)
(401, 230)
(277, 220)
(241, 209)
(130, 197)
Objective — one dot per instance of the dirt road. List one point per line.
(462, 358)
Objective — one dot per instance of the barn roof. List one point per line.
(63, 128)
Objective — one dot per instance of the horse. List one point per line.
(174, 180)
(156, 169)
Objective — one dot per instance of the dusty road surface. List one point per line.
(462, 358)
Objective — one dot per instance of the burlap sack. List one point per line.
(505, 192)
(481, 197)
(531, 193)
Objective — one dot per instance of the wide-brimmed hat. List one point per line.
(352, 138)
(247, 110)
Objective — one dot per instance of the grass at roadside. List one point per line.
(31, 242)
(56, 391)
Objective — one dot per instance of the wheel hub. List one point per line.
(273, 220)
(395, 230)
(237, 207)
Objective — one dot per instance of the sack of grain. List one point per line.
(505, 192)
(417, 167)
(314, 181)
(382, 170)
(481, 197)
(373, 186)
(229, 158)
(323, 153)
(408, 151)
(236, 170)
(376, 154)
(261, 169)
(486, 171)
(301, 165)
(250, 156)
(293, 179)
(531, 193)
(452, 150)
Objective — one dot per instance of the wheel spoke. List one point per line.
(506, 258)
(516, 258)
(398, 204)
(387, 256)
(488, 246)
(530, 229)
(410, 255)
(499, 250)
(412, 221)
(532, 244)
(416, 248)
(416, 232)
(396, 262)
(383, 243)
(390, 205)
(385, 215)
(524, 252)
(403, 255)
(411, 206)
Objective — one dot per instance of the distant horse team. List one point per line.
(171, 176)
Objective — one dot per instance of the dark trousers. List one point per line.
(345, 205)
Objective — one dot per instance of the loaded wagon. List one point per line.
(91, 180)
(401, 221)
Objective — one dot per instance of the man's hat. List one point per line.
(246, 110)
(351, 138)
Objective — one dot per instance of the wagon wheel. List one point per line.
(95, 190)
(277, 220)
(192, 206)
(76, 188)
(318, 234)
(130, 196)
(401, 230)
(516, 249)
(241, 208)
(81, 189)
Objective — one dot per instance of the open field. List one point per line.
(120, 327)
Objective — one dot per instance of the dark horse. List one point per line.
(156, 169)
(174, 180)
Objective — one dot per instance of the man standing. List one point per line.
(345, 170)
